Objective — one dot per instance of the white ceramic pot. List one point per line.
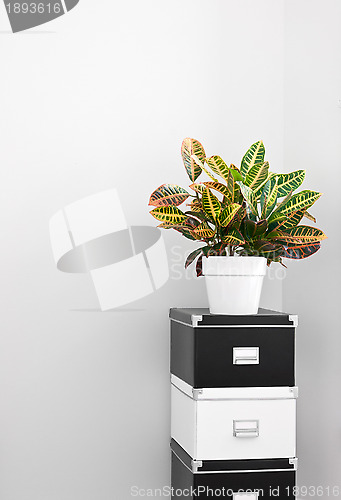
(234, 284)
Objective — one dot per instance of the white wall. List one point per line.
(312, 141)
(103, 97)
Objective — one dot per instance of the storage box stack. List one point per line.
(233, 420)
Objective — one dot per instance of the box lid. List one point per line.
(201, 317)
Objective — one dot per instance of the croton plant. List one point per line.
(238, 211)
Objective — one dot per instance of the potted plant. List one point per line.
(246, 218)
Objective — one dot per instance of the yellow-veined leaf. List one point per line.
(169, 214)
(210, 204)
(168, 194)
(279, 221)
(218, 166)
(204, 231)
(233, 237)
(191, 147)
(228, 214)
(257, 175)
(300, 201)
(269, 198)
(255, 154)
(259, 189)
(301, 235)
(217, 186)
(198, 187)
(289, 182)
(203, 168)
(250, 198)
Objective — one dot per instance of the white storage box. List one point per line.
(234, 423)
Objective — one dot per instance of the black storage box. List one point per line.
(236, 480)
(233, 351)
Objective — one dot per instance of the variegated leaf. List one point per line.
(169, 214)
(279, 221)
(204, 231)
(300, 201)
(191, 147)
(233, 237)
(283, 202)
(217, 186)
(218, 166)
(228, 214)
(168, 194)
(300, 252)
(302, 235)
(269, 198)
(250, 198)
(204, 169)
(289, 182)
(198, 187)
(257, 175)
(254, 155)
(210, 204)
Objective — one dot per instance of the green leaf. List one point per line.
(191, 147)
(300, 252)
(300, 201)
(289, 182)
(169, 214)
(233, 237)
(228, 214)
(269, 198)
(261, 227)
(192, 256)
(210, 204)
(302, 235)
(168, 194)
(257, 175)
(255, 154)
(250, 198)
(250, 228)
(236, 173)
